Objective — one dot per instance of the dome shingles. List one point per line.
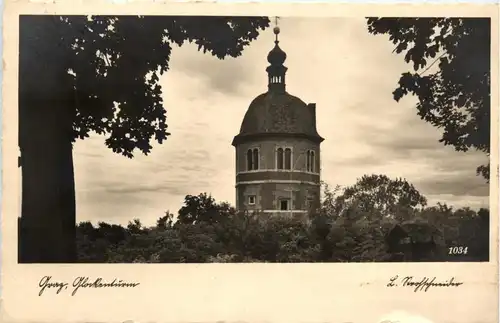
(278, 113)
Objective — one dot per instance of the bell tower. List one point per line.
(278, 148)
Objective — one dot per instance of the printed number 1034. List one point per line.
(457, 250)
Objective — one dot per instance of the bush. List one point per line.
(351, 226)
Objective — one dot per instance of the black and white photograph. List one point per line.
(254, 139)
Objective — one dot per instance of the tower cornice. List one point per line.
(242, 138)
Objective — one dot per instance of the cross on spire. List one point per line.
(276, 28)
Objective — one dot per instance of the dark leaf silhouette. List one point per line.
(455, 95)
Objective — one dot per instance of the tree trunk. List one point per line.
(47, 230)
(48, 190)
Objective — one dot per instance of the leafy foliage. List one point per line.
(455, 98)
(207, 231)
(377, 196)
(111, 67)
(203, 208)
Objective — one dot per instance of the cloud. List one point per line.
(399, 142)
(459, 201)
(458, 184)
(171, 187)
(227, 76)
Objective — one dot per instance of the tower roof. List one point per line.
(276, 56)
(277, 112)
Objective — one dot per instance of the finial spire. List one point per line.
(276, 29)
(276, 57)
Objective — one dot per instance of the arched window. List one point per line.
(288, 158)
(255, 158)
(279, 158)
(313, 161)
(249, 160)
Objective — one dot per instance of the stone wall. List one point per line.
(268, 149)
(271, 184)
(268, 195)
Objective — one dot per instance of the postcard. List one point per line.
(204, 162)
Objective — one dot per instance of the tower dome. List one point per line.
(276, 56)
(279, 114)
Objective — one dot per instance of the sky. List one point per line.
(333, 62)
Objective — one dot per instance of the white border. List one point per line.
(238, 292)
